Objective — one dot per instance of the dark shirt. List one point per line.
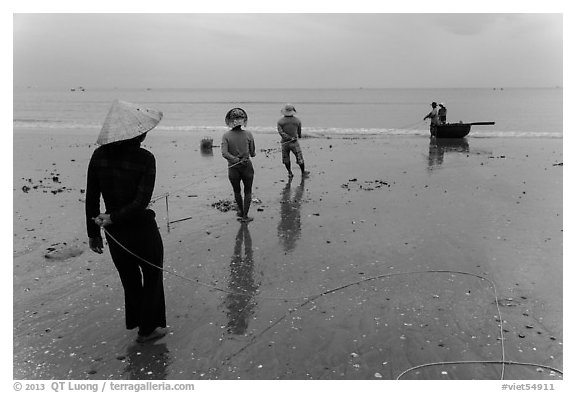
(289, 127)
(124, 174)
(442, 114)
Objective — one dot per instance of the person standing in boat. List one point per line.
(434, 120)
(442, 113)
(237, 148)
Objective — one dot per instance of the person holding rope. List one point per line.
(434, 119)
(290, 129)
(123, 173)
(237, 148)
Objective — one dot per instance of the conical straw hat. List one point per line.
(126, 121)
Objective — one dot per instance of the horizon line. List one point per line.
(275, 88)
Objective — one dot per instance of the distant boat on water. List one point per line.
(79, 88)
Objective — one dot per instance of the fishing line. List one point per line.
(166, 194)
(310, 298)
(409, 126)
(196, 281)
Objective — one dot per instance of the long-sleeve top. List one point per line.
(124, 175)
(433, 116)
(442, 114)
(237, 144)
(289, 127)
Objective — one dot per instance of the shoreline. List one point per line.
(404, 204)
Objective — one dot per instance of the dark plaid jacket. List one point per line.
(124, 174)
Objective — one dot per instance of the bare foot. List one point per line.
(156, 334)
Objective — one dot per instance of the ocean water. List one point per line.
(530, 113)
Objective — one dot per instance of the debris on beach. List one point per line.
(268, 152)
(366, 185)
(224, 205)
(50, 183)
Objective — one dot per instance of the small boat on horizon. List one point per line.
(458, 130)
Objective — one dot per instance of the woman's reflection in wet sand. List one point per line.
(289, 227)
(241, 305)
(147, 361)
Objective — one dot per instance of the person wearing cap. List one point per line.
(442, 113)
(290, 129)
(237, 147)
(433, 116)
(123, 173)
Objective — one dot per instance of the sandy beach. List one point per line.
(380, 261)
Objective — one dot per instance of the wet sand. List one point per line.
(401, 209)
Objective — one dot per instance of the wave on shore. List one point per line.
(314, 132)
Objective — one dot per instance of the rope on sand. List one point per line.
(166, 194)
(510, 363)
(311, 298)
(194, 281)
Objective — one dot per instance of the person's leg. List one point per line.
(152, 305)
(131, 279)
(234, 177)
(248, 180)
(300, 159)
(286, 158)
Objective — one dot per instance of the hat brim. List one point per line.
(126, 121)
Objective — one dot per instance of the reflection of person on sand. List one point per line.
(435, 154)
(237, 147)
(433, 116)
(240, 306)
(289, 225)
(148, 362)
(439, 146)
(124, 174)
(290, 129)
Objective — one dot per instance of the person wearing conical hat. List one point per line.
(290, 129)
(237, 147)
(442, 112)
(123, 173)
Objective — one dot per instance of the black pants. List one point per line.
(143, 286)
(241, 173)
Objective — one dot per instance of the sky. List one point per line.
(295, 50)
